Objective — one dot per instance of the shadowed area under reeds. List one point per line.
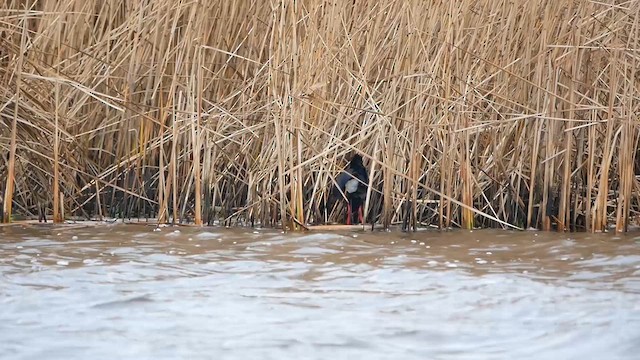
(467, 113)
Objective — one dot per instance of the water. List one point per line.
(129, 292)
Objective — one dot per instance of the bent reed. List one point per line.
(468, 113)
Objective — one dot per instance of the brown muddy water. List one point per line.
(129, 292)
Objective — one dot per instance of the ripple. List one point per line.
(131, 293)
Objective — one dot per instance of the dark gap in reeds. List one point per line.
(471, 113)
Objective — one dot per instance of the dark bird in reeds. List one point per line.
(352, 184)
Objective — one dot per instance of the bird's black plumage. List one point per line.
(353, 183)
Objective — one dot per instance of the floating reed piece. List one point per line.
(469, 113)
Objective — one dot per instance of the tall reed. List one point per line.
(468, 113)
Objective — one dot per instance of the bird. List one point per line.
(352, 183)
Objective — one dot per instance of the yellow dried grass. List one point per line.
(468, 113)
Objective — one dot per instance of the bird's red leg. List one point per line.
(348, 214)
(360, 216)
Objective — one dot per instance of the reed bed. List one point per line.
(468, 113)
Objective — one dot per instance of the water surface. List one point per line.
(133, 292)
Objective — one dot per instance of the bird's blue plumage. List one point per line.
(353, 183)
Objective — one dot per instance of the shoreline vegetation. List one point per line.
(467, 113)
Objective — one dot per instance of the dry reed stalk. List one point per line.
(11, 163)
(57, 218)
(601, 202)
(173, 162)
(163, 208)
(388, 182)
(477, 113)
(197, 79)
